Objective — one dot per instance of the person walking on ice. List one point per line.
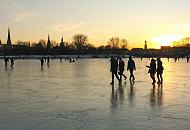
(152, 70)
(121, 68)
(114, 68)
(131, 67)
(160, 69)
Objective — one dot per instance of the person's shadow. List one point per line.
(156, 95)
(131, 93)
(114, 99)
(117, 96)
(42, 68)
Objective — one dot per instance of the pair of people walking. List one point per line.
(6, 60)
(120, 65)
(153, 70)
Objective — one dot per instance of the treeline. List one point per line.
(184, 42)
(79, 46)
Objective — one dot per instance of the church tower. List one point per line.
(145, 45)
(62, 44)
(62, 39)
(9, 37)
(48, 42)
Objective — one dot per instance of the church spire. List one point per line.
(62, 39)
(48, 42)
(62, 44)
(9, 37)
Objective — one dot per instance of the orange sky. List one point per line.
(158, 22)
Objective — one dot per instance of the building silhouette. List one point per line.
(48, 43)
(145, 45)
(9, 38)
(62, 44)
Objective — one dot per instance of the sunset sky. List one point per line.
(157, 21)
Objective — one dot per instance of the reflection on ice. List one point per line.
(156, 95)
(63, 95)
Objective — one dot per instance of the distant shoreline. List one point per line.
(73, 56)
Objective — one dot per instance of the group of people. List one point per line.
(47, 59)
(118, 67)
(42, 60)
(153, 69)
(6, 60)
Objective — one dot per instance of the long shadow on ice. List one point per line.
(156, 95)
(117, 96)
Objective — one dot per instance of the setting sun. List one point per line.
(166, 40)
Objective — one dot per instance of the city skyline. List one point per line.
(158, 22)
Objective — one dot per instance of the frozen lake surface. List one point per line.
(78, 96)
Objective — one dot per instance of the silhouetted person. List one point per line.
(42, 61)
(114, 67)
(168, 59)
(121, 68)
(60, 59)
(12, 62)
(187, 59)
(141, 58)
(152, 70)
(71, 60)
(160, 69)
(175, 58)
(6, 60)
(48, 60)
(131, 67)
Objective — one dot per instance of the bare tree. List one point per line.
(79, 42)
(123, 44)
(42, 43)
(23, 43)
(114, 42)
(185, 42)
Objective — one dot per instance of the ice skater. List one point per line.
(42, 61)
(131, 67)
(160, 69)
(6, 60)
(187, 59)
(121, 68)
(152, 70)
(12, 62)
(48, 60)
(114, 68)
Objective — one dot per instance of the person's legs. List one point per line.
(112, 78)
(121, 74)
(161, 77)
(117, 77)
(158, 76)
(124, 76)
(153, 78)
(132, 75)
(154, 81)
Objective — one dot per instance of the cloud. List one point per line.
(99, 31)
(67, 27)
(13, 5)
(23, 16)
(17, 11)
